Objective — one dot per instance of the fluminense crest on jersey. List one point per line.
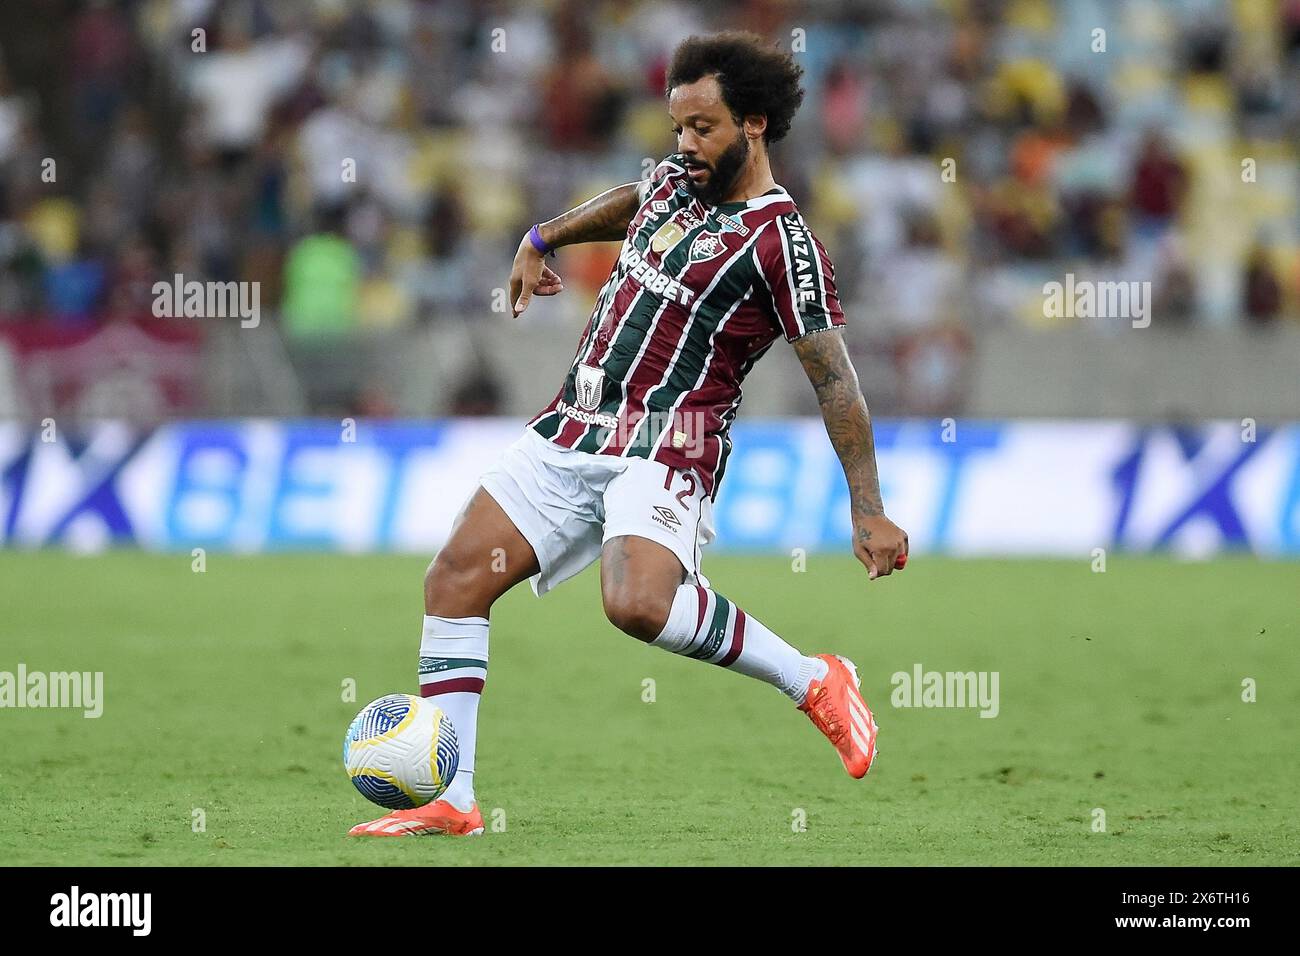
(705, 247)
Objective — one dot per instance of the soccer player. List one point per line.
(625, 463)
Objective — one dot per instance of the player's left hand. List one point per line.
(530, 276)
(879, 544)
(550, 283)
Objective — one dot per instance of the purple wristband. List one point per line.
(535, 237)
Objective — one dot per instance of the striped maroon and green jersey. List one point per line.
(698, 295)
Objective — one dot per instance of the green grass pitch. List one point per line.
(223, 693)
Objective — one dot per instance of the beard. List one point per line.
(721, 174)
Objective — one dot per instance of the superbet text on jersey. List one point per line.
(698, 295)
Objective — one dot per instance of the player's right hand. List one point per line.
(529, 275)
(879, 544)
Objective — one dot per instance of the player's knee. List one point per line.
(450, 581)
(637, 613)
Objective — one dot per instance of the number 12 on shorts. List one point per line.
(686, 492)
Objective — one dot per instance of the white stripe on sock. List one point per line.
(710, 608)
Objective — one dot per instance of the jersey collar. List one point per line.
(775, 194)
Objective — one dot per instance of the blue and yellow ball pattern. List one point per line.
(401, 751)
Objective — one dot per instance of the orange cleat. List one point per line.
(432, 819)
(835, 705)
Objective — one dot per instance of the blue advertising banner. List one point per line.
(966, 488)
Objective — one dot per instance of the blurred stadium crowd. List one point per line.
(953, 155)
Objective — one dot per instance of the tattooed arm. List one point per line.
(604, 218)
(877, 541)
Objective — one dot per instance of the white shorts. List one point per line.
(568, 503)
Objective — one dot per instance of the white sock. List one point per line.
(706, 626)
(453, 667)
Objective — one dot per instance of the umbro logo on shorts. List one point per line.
(666, 517)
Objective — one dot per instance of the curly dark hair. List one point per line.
(756, 77)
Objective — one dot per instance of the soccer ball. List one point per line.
(401, 751)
